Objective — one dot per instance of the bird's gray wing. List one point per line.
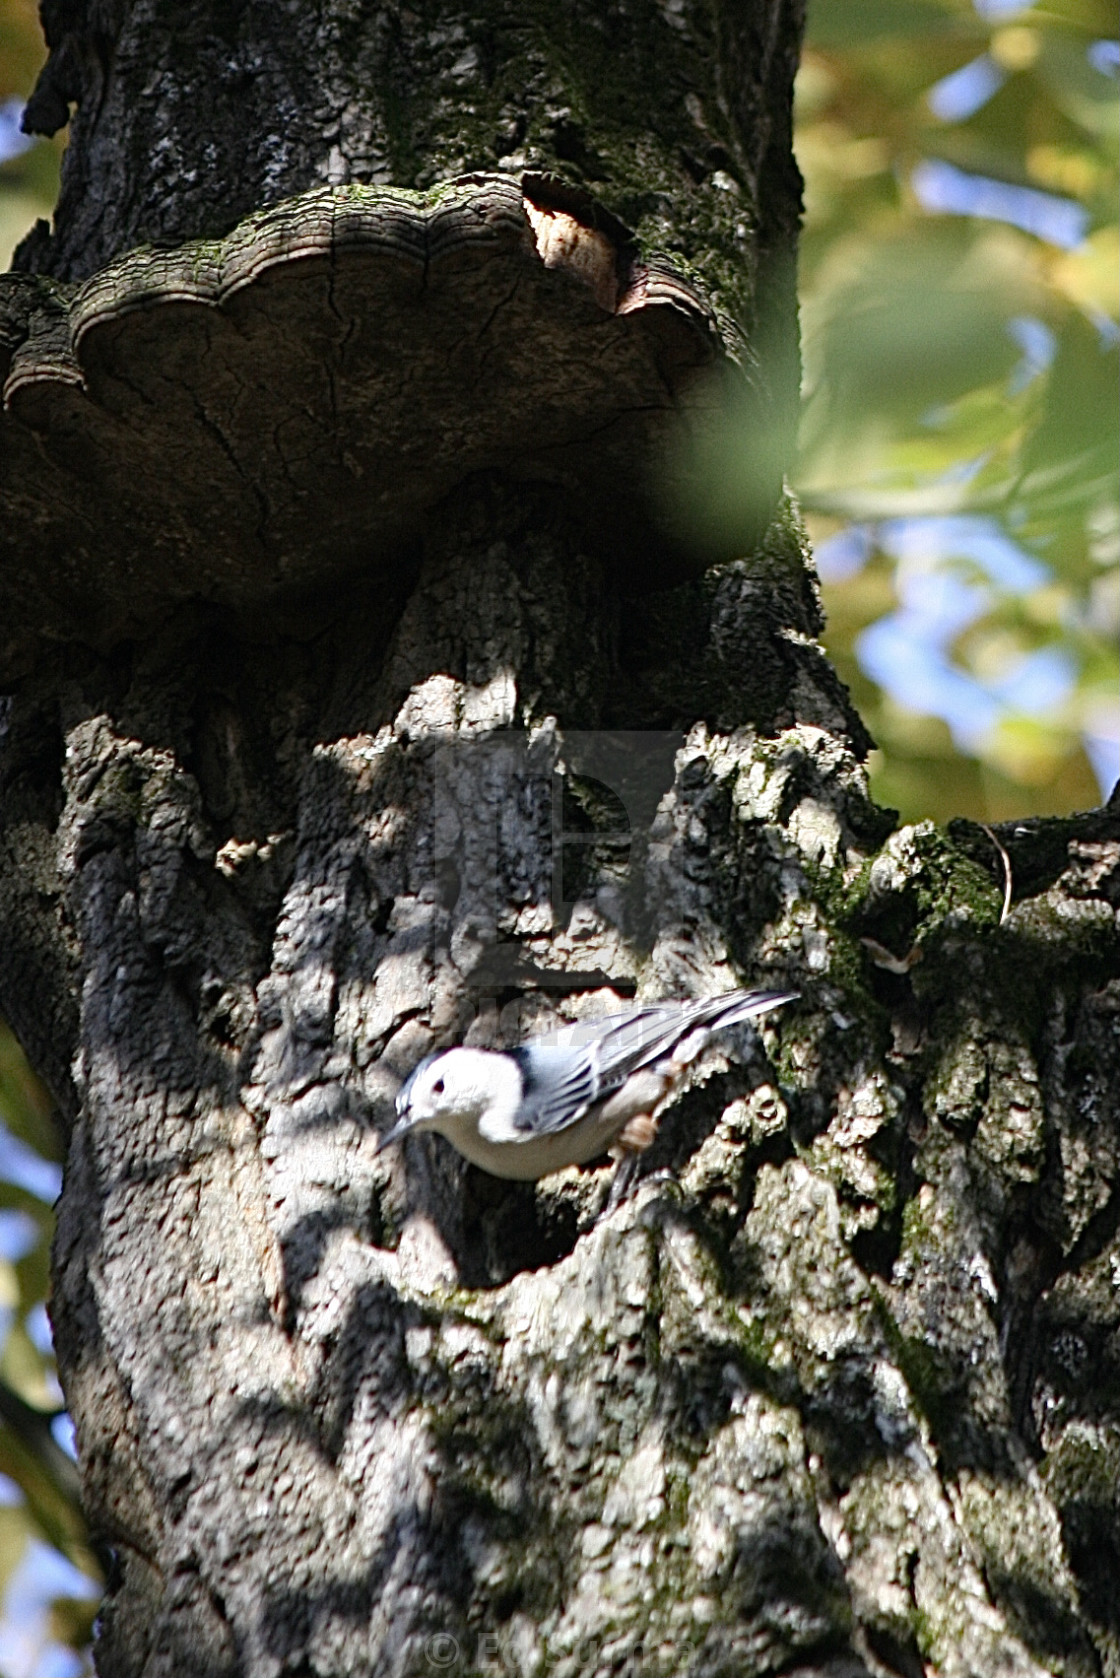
(646, 1035)
(559, 1084)
(561, 1081)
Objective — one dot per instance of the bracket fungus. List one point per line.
(236, 421)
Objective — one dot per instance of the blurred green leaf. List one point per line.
(28, 182)
(15, 1531)
(1080, 92)
(30, 1456)
(25, 1106)
(45, 1478)
(71, 1620)
(1072, 454)
(961, 366)
(846, 23)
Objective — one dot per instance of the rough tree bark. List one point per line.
(326, 743)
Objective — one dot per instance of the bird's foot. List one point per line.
(622, 1183)
(636, 1135)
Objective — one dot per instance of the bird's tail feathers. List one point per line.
(644, 1035)
(748, 1005)
(741, 1006)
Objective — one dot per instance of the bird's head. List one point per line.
(447, 1089)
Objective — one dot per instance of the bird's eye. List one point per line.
(437, 1087)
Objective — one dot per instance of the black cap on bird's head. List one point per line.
(405, 1121)
(404, 1094)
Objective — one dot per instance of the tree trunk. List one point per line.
(292, 794)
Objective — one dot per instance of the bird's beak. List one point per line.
(401, 1128)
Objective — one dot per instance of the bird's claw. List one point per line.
(622, 1183)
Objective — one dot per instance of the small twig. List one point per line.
(1006, 860)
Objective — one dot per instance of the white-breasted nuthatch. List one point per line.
(566, 1098)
